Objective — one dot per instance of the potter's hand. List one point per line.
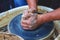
(29, 20)
(40, 19)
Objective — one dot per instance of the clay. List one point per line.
(4, 36)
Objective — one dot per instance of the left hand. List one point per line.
(29, 20)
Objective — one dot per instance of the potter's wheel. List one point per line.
(16, 28)
(40, 33)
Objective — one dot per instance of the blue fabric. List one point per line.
(20, 3)
(8, 4)
(39, 33)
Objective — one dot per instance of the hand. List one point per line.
(29, 20)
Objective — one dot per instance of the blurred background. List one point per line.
(9, 4)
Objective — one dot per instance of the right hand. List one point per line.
(29, 20)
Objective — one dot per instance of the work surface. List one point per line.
(5, 17)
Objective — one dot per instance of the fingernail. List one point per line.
(30, 26)
(25, 28)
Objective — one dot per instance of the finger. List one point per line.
(25, 26)
(32, 10)
(26, 14)
(28, 22)
(25, 23)
(32, 20)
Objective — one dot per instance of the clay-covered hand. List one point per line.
(29, 20)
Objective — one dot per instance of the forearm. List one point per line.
(32, 4)
(55, 15)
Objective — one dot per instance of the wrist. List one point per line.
(32, 10)
(42, 18)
